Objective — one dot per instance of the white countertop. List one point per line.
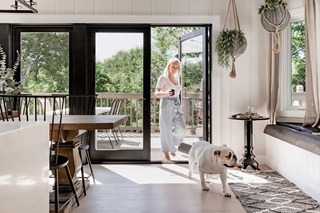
(24, 173)
(8, 126)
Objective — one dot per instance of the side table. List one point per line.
(248, 145)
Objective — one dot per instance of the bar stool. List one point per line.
(16, 108)
(58, 162)
(84, 105)
(84, 148)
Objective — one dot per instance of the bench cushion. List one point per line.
(296, 135)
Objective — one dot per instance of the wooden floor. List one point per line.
(153, 188)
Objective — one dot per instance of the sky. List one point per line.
(107, 44)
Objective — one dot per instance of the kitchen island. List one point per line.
(24, 167)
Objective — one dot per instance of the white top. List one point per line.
(166, 85)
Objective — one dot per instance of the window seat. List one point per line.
(294, 152)
(297, 135)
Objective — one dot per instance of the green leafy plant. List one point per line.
(8, 85)
(271, 5)
(229, 45)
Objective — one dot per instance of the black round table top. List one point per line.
(259, 118)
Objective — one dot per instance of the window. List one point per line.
(292, 90)
(45, 61)
(45, 58)
(298, 64)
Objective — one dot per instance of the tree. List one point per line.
(165, 46)
(298, 55)
(124, 72)
(45, 62)
(102, 79)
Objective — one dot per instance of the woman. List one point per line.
(172, 124)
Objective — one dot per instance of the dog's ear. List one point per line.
(217, 152)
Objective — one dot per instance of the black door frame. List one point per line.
(82, 67)
(206, 73)
(127, 155)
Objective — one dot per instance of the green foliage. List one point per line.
(271, 5)
(192, 75)
(102, 79)
(45, 62)
(298, 55)
(8, 85)
(225, 45)
(45, 67)
(165, 39)
(123, 72)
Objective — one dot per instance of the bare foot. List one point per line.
(167, 161)
(167, 156)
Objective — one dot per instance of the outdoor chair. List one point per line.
(115, 110)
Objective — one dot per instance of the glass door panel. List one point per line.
(195, 93)
(119, 66)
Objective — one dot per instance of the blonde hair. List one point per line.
(172, 60)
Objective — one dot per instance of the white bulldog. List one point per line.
(212, 159)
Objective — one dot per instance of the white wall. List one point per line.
(297, 165)
(229, 95)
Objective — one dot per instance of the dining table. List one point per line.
(73, 126)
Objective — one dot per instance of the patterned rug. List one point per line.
(270, 192)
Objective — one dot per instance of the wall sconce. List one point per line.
(28, 4)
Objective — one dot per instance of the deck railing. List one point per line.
(299, 99)
(133, 107)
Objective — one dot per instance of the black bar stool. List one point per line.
(58, 161)
(84, 105)
(84, 148)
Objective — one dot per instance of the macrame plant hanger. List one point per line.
(275, 21)
(238, 50)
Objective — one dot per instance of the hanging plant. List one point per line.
(275, 17)
(231, 43)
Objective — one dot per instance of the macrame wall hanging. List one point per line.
(231, 43)
(275, 17)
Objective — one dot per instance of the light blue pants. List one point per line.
(172, 124)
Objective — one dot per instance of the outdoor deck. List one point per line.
(133, 141)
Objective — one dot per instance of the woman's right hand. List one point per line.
(160, 93)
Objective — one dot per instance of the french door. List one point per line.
(121, 60)
(194, 54)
